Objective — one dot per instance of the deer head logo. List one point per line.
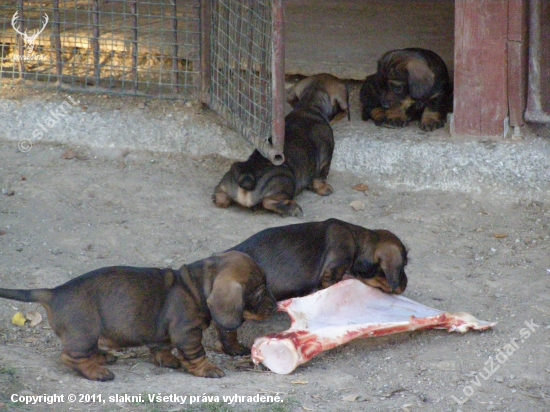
(30, 40)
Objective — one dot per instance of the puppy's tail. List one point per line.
(27, 295)
(247, 181)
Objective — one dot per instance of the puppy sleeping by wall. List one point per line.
(410, 84)
(125, 306)
(308, 148)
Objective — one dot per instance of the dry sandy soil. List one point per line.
(68, 210)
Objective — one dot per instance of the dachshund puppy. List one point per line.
(410, 84)
(336, 89)
(124, 306)
(309, 144)
(301, 258)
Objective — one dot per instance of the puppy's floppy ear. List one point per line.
(291, 97)
(226, 302)
(421, 78)
(388, 256)
(294, 94)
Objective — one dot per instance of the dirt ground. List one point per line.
(69, 209)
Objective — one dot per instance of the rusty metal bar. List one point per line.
(175, 78)
(206, 49)
(265, 71)
(278, 83)
(133, 10)
(56, 40)
(20, 41)
(95, 41)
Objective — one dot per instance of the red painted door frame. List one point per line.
(490, 66)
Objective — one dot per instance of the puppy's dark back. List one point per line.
(309, 140)
(101, 285)
(287, 272)
(315, 100)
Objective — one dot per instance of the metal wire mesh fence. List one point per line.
(245, 70)
(149, 48)
(226, 53)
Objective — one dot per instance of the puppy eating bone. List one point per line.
(301, 258)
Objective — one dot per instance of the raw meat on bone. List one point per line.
(346, 311)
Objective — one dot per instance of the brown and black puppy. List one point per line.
(336, 89)
(301, 258)
(309, 144)
(123, 306)
(410, 84)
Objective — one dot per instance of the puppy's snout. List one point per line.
(270, 304)
(399, 287)
(389, 99)
(262, 311)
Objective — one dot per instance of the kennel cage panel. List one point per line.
(149, 48)
(246, 69)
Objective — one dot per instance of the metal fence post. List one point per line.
(278, 78)
(206, 61)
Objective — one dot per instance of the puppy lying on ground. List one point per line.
(308, 148)
(124, 306)
(301, 258)
(410, 84)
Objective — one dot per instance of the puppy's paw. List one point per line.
(221, 199)
(103, 375)
(202, 368)
(88, 367)
(104, 358)
(322, 188)
(397, 116)
(431, 126)
(431, 121)
(95, 372)
(378, 115)
(291, 209)
(210, 371)
(237, 349)
(285, 207)
(164, 358)
(396, 122)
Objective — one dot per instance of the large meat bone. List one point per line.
(346, 311)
